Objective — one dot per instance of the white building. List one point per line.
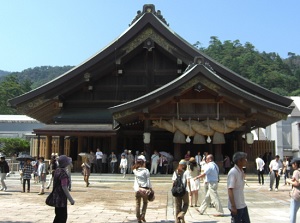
(18, 126)
(286, 133)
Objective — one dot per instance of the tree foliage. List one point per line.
(11, 146)
(18, 83)
(269, 70)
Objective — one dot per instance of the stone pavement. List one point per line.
(110, 198)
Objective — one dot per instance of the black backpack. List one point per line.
(178, 189)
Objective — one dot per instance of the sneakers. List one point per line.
(270, 189)
(276, 189)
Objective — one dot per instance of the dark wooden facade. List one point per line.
(148, 74)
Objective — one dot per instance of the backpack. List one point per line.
(178, 189)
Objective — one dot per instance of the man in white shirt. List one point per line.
(235, 188)
(275, 166)
(260, 169)
(99, 156)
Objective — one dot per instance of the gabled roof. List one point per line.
(209, 79)
(47, 94)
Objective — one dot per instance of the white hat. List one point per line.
(141, 157)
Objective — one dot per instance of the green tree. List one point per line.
(10, 87)
(11, 146)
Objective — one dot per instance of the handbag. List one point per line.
(151, 196)
(50, 200)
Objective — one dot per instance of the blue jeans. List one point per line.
(293, 210)
(242, 216)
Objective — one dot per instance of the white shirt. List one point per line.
(142, 178)
(99, 155)
(198, 159)
(259, 164)
(123, 163)
(275, 165)
(154, 158)
(184, 178)
(235, 180)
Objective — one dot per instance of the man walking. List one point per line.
(99, 156)
(260, 169)
(275, 166)
(235, 187)
(211, 174)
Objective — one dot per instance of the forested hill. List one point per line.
(269, 70)
(38, 75)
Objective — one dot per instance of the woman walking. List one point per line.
(192, 183)
(27, 170)
(295, 194)
(123, 165)
(86, 170)
(141, 186)
(52, 167)
(60, 190)
(181, 202)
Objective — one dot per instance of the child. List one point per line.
(123, 165)
(27, 170)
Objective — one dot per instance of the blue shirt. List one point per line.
(211, 172)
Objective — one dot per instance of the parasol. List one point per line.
(167, 155)
(87, 155)
(25, 157)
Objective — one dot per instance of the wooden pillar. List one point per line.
(113, 143)
(48, 149)
(177, 152)
(38, 145)
(80, 144)
(218, 152)
(146, 129)
(61, 150)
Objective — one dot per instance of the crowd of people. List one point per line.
(190, 170)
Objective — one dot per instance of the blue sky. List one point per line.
(68, 32)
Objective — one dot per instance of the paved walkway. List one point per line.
(110, 198)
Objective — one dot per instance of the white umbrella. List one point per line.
(167, 155)
(85, 155)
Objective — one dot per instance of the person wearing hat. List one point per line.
(295, 193)
(42, 174)
(181, 202)
(194, 185)
(235, 188)
(52, 167)
(60, 190)
(130, 160)
(211, 174)
(142, 182)
(86, 170)
(27, 170)
(4, 169)
(123, 165)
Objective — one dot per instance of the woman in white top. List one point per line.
(123, 165)
(141, 183)
(194, 184)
